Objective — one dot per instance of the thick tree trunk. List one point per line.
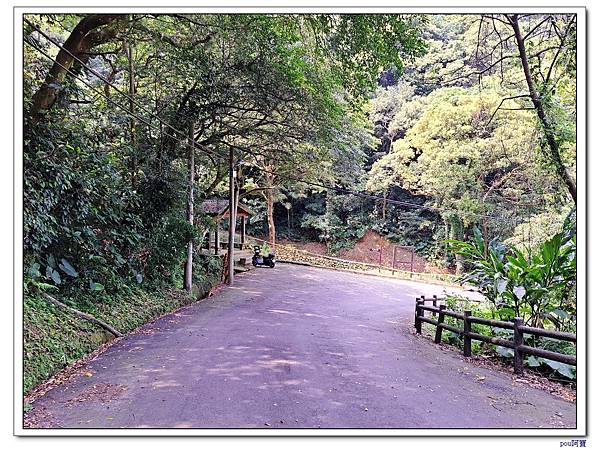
(539, 107)
(190, 214)
(84, 37)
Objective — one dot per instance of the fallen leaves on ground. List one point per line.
(529, 378)
(101, 392)
(66, 374)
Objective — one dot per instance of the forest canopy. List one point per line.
(470, 116)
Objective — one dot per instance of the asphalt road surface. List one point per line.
(295, 347)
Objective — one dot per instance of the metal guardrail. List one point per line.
(517, 326)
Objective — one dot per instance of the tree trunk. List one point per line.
(84, 37)
(539, 107)
(231, 241)
(236, 202)
(128, 47)
(270, 219)
(190, 213)
(457, 233)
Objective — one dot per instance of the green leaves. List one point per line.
(564, 369)
(520, 292)
(67, 268)
(53, 275)
(531, 287)
(34, 270)
(505, 352)
(533, 361)
(44, 286)
(96, 286)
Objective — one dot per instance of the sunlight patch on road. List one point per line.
(280, 311)
(165, 384)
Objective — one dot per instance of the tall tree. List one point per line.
(91, 31)
(544, 86)
(543, 48)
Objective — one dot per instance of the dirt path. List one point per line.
(295, 347)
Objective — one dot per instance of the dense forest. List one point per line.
(432, 130)
(455, 132)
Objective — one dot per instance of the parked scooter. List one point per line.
(260, 260)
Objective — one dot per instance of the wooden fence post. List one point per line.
(518, 342)
(217, 240)
(435, 303)
(420, 313)
(439, 329)
(466, 332)
(416, 310)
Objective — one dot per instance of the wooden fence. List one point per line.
(516, 326)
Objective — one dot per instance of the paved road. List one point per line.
(295, 347)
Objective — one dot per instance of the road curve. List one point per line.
(295, 347)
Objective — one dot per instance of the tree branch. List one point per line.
(500, 104)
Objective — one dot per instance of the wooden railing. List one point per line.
(439, 309)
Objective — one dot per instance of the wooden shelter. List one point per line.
(219, 210)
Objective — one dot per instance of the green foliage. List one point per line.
(166, 250)
(206, 274)
(536, 287)
(452, 155)
(78, 217)
(444, 139)
(363, 42)
(486, 310)
(535, 230)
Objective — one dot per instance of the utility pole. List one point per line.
(230, 251)
(190, 213)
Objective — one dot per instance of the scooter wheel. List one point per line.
(272, 264)
(254, 263)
